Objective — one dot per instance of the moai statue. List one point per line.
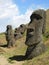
(10, 36)
(19, 31)
(17, 34)
(34, 34)
(22, 28)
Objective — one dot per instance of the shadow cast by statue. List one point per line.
(3, 45)
(18, 58)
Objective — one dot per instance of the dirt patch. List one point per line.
(4, 61)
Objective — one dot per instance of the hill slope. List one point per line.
(47, 20)
(20, 49)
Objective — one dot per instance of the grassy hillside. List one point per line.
(19, 50)
(47, 20)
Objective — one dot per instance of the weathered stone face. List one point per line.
(34, 34)
(22, 28)
(35, 27)
(8, 32)
(19, 31)
(10, 36)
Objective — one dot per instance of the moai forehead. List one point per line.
(36, 16)
(9, 27)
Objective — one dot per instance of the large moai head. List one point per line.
(36, 27)
(10, 36)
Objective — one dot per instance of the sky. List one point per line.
(16, 12)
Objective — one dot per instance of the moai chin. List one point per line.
(10, 36)
(34, 34)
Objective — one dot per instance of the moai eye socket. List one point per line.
(21, 25)
(15, 28)
(21, 32)
(15, 35)
(38, 17)
(35, 16)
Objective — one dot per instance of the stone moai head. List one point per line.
(9, 27)
(36, 27)
(22, 28)
(8, 32)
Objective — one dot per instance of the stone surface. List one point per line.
(34, 34)
(19, 31)
(10, 36)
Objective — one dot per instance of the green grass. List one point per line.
(20, 49)
(44, 38)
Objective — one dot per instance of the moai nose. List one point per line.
(31, 31)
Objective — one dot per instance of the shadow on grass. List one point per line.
(18, 58)
(3, 45)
